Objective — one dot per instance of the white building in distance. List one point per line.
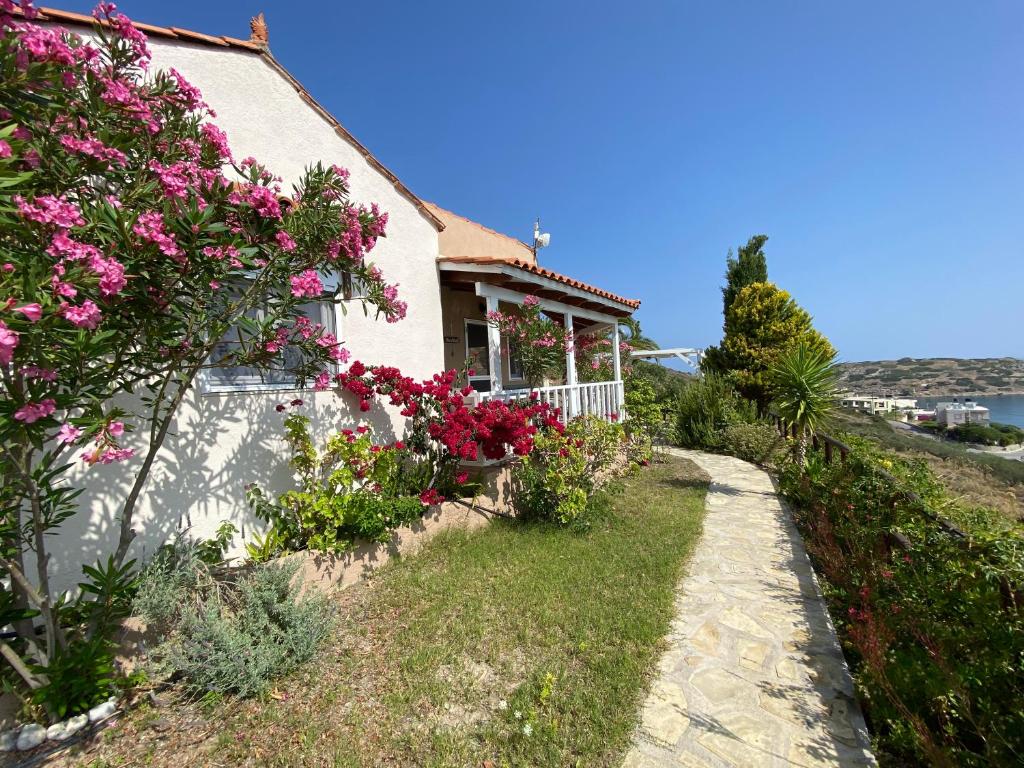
(966, 412)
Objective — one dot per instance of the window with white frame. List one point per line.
(241, 378)
(515, 363)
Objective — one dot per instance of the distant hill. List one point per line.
(934, 376)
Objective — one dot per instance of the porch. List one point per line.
(471, 289)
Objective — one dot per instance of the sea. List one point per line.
(1004, 409)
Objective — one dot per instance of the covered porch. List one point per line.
(472, 288)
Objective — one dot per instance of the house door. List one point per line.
(478, 359)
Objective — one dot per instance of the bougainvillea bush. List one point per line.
(131, 244)
(537, 341)
(359, 489)
(934, 627)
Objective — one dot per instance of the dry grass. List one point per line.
(438, 654)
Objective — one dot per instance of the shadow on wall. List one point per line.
(219, 444)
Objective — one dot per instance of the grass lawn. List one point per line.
(516, 645)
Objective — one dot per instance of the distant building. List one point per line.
(966, 412)
(877, 405)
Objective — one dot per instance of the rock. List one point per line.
(30, 737)
(155, 701)
(8, 741)
(57, 732)
(102, 711)
(75, 724)
(161, 724)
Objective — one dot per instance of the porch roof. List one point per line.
(527, 278)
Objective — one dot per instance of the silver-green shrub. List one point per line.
(758, 443)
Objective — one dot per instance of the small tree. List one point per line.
(134, 252)
(761, 325)
(537, 341)
(803, 387)
(750, 266)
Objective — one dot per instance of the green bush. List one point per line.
(554, 482)
(933, 629)
(987, 434)
(758, 443)
(705, 407)
(230, 631)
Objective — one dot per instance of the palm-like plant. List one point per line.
(803, 387)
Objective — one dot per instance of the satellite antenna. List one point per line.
(540, 239)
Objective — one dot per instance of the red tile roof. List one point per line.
(541, 272)
(186, 35)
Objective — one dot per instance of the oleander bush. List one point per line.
(934, 628)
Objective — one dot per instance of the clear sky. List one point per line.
(880, 145)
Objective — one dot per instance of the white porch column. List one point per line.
(570, 369)
(620, 394)
(494, 346)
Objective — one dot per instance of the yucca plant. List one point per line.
(803, 387)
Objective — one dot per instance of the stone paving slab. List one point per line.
(754, 675)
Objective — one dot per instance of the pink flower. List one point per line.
(32, 412)
(307, 284)
(68, 433)
(322, 381)
(8, 341)
(115, 428)
(217, 139)
(86, 316)
(32, 311)
(47, 209)
(8, 267)
(5, 149)
(461, 478)
(531, 301)
(285, 241)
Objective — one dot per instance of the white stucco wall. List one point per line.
(221, 442)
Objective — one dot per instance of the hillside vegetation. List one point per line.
(935, 376)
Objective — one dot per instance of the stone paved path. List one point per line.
(754, 675)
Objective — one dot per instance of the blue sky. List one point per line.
(880, 145)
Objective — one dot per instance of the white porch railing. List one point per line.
(601, 398)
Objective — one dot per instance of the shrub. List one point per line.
(758, 442)
(556, 480)
(705, 407)
(934, 629)
(227, 630)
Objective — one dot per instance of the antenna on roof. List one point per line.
(540, 239)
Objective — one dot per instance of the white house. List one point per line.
(877, 405)
(451, 271)
(956, 412)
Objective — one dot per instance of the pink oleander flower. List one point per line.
(35, 373)
(33, 412)
(32, 311)
(8, 341)
(217, 139)
(108, 456)
(115, 428)
(150, 226)
(265, 202)
(68, 433)
(5, 149)
(322, 382)
(8, 267)
(86, 316)
(531, 301)
(47, 209)
(285, 241)
(307, 284)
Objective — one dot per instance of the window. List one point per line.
(240, 378)
(515, 364)
(478, 358)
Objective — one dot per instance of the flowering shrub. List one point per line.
(645, 421)
(132, 242)
(933, 627)
(594, 357)
(353, 489)
(537, 341)
(556, 480)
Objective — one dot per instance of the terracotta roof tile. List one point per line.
(542, 272)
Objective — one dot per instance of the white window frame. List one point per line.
(330, 317)
(515, 365)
